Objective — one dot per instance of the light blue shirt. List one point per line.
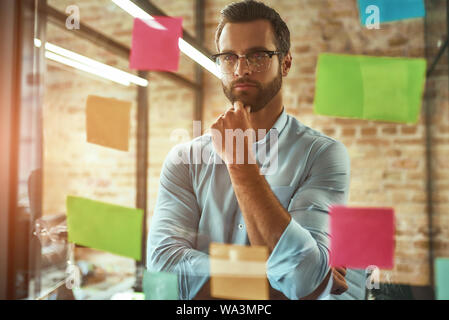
(196, 205)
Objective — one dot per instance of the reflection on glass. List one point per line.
(71, 165)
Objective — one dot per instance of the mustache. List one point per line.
(242, 81)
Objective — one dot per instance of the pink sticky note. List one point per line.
(155, 44)
(361, 237)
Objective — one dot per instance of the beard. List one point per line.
(258, 101)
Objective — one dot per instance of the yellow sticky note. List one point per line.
(108, 122)
(238, 272)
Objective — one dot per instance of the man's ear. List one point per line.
(286, 64)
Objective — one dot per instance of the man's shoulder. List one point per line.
(200, 142)
(187, 152)
(315, 146)
(305, 135)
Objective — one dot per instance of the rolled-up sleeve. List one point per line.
(173, 230)
(300, 260)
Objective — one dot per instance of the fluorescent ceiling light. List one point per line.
(200, 58)
(83, 67)
(97, 65)
(137, 12)
(81, 62)
(132, 9)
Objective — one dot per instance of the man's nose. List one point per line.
(241, 68)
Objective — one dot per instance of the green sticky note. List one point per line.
(160, 286)
(442, 278)
(105, 227)
(370, 88)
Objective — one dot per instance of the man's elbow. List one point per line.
(157, 260)
(307, 279)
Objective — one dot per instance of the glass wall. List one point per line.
(404, 166)
(57, 161)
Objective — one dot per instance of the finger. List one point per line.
(339, 289)
(339, 286)
(238, 105)
(339, 280)
(220, 117)
(248, 109)
(341, 271)
(342, 289)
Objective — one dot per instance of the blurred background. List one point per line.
(45, 156)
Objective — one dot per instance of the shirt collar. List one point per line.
(279, 125)
(281, 121)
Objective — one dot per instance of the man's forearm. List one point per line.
(265, 218)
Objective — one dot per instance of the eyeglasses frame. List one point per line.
(269, 52)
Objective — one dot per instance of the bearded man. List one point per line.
(278, 199)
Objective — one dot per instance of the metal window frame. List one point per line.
(429, 149)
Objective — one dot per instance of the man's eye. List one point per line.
(257, 56)
(229, 58)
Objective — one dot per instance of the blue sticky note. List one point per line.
(160, 285)
(442, 278)
(390, 10)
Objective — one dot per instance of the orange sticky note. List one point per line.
(238, 272)
(108, 122)
(361, 237)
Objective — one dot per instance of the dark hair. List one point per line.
(250, 10)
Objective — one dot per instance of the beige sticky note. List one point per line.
(108, 122)
(238, 272)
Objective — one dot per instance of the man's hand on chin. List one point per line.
(233, 135)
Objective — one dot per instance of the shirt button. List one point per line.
(241, 226)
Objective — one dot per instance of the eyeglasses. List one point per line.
(257, 61)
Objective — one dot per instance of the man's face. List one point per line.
(242, 38)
